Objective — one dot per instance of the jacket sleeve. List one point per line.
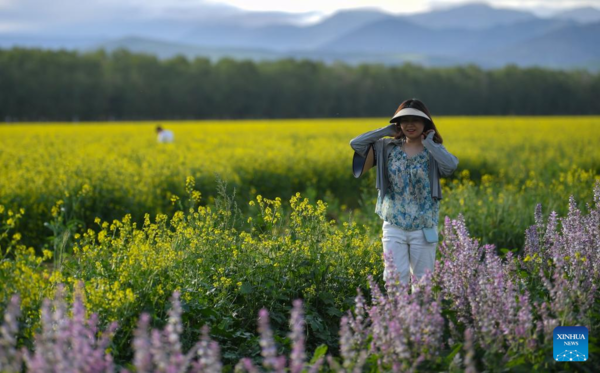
(361, 143)
(447, 162)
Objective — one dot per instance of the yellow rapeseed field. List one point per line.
(110, 169)
(135, 220)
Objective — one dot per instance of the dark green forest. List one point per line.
(45, 85)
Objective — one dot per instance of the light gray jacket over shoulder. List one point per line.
(441, 162)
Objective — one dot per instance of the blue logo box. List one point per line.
(571, 343)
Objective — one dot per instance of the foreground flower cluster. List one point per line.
(480, 310)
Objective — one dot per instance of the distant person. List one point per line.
(409, 166)
(164, 135)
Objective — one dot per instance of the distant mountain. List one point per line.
(282, 37)
(400, 35)
(164, 49)
(469, 16)
(339, 25)
(47, 42)
(474, 33)
(565, 48)
(507, 35)
(581, 15)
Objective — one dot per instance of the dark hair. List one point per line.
(419, 105)
(159, 129)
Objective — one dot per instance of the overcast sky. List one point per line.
(37, 15)
(394, 6)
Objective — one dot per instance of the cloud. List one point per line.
(40, 15)
(37, 15)
(557, 4)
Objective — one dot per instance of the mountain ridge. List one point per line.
(434, 38)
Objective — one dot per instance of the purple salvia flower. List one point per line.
(334, 365)
(280, 363)
(60, 327)
(159, 355)
(213, 364)
(360, 362)
(376, 295)
(10, 357)
(209, 354)
(390, 273)
(80, 351)
(160, 351)
(551, 237)
(247, 363)
(142, 358)
(298, 356)
(597, 194)
(405, 327)
(43, 341)
(399, 342)
(469, 352)
(70, 344)
(172, 332)
(317, 365)
(267, 344)
(569, 267)
(532, 243)
(359, 323)
(347, 350)
(538, 216)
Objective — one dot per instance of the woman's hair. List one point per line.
(419, 105)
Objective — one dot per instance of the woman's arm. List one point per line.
(447, 162)
(361, 143)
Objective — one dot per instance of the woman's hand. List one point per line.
(396, 127)
(426, 133)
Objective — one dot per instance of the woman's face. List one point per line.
(412, 126)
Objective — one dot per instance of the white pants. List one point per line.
(409, 250)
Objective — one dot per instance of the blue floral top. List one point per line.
(408, 203)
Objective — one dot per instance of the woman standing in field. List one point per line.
(409, 167)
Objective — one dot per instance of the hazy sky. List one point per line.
(395, 6)
(38, 15)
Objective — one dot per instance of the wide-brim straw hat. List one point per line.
(361, 164)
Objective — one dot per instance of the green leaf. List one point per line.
(450, 314)
(593, 348)
(319, 352)
(246, 288)
(516, 362)
(332, 311)
(448, 359)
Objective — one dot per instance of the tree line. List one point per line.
(46, 85)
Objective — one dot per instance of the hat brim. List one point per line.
(361, 164)
(409, 111)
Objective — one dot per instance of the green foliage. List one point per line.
(225, 275)
(71, 86)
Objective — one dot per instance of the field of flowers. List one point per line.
(138, 235)
(104, 170)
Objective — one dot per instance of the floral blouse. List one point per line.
(408, 203)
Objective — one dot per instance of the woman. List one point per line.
(409, 167)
